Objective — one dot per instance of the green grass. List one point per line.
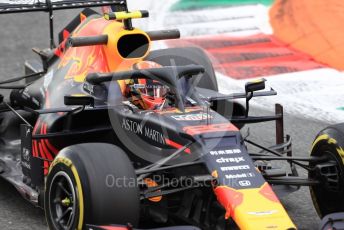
(197, 4)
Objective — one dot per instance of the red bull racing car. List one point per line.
(107, 133)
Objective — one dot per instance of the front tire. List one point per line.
(90, 184)
(328, 196)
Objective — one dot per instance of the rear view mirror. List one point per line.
(79, 99)
(251, 87)
(255, 85)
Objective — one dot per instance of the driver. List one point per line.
(146, 94)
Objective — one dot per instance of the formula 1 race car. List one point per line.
(109, 134)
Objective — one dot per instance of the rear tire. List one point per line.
(97, 182)
(328, 197)
(187, 56)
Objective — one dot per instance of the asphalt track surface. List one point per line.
(19, 33)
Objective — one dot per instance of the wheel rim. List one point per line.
(62, 201)
(326, 199)
(337, 172)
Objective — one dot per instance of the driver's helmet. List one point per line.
(147, 94)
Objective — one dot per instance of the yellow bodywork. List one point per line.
(254, 208)
(125, 15)
(257, 212)
(106, 58)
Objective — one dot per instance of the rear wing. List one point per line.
(49, 6)
(23, 6)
